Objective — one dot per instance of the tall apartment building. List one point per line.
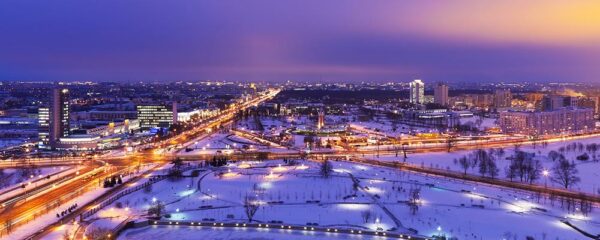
(503, 98)
(440, 94)
(561, 121)
(417, 92)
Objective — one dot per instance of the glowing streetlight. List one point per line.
(545, 173)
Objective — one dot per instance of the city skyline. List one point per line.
(463, 41)
(300, 119)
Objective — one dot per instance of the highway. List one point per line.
(28, 209)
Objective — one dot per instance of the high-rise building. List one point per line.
(321, 119)
(417, 92)
(503, 98)
(44, 127)
(152, 116)
(597, 100)
(59, 115)
(440, 94)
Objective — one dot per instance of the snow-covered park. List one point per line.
(588, 171)
(350, 196)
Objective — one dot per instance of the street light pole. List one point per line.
(545, 173)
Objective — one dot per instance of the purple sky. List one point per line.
(132, 40)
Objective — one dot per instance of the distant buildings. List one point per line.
(560, 121)
(152, 116)
(122, 127)
(440, 94)
(503, 98)
(417, 92)
(197, 113)
(553, 102)
(105, 115)
(466, 101)
(437, 118)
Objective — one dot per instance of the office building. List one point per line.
(59, 116)
(417, 92)
(440, 94)
(153, 116)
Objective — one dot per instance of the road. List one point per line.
(21, 213)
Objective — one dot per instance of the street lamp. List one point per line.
(545, 173)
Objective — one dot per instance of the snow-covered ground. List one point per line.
(48, 218)
(588, 170)
(11, 177)
(185, 233)
(6, 143)
(289, 194)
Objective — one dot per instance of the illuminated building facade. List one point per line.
(153, 116)
(44, 127)
(417, 92)
(561, 121)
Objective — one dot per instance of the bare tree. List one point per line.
(414, 199)
(592, 148)
(524, 166)
(366, 215)
(533, 170)
(157, 209)
(450, 143)
(404, 149)
(511, 172)
(250, 207)
(99, 233)
(492, 168)
(464, 164)
(565, 173)
(326, 168)
(553, 155)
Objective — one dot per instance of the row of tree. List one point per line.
(523, 166)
